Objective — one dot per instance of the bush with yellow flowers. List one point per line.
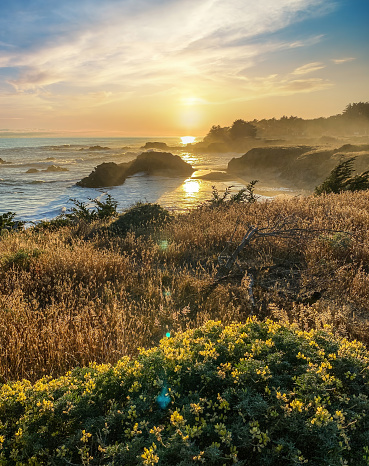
(256, 393)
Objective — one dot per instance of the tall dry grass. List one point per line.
(66, 300)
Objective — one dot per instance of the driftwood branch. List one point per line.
(226, 261)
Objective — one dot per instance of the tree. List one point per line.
(217, 134)
(341, 179)
(357, 110)
(242, 129)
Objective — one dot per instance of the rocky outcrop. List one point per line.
(55, 168)
(151, 163)
(96, 148)
(302, 167)
(155, 145)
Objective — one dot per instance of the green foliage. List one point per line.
(139, 217)
(257, 393)
(357, 110)
(21, 259)
(101, 210)
(341, 179)
(54, 224)
(242, 129)
(7, 222)
(245, 195)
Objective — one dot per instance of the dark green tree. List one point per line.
(242, 129)
(341, 179)
(357, 110)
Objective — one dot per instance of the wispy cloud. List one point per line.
(339, 61)
(308, 68)
(152, 43)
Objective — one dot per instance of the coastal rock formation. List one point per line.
(32, 170)
(151, 163)
(301, 167)
(55, 168)
(155, 145)
(96, 148)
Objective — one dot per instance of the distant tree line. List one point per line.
(353, 120)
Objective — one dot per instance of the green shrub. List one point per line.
(139, 217)
(258, 393)
(21, 259)
(245, 195)
(101, 210)
(7, 222)
(341, 179)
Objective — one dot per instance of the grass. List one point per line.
(79, 294)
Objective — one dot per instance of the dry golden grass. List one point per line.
(66, 300)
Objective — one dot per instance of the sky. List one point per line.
(177, 67)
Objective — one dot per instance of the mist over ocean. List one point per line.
(44, 194)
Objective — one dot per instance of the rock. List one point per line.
(151, 163)
(32, 170)
(155, 145)
(93, 148)
(216, 176)
(55, 168)
(301, 167)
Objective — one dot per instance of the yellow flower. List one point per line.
(149, 457)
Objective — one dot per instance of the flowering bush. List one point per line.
(258, 393)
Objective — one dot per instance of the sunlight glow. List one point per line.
(191, 187)
(187, 139)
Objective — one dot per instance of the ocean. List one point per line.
(44, 194)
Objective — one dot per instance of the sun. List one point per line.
(187, 139)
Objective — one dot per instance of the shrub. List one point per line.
(244, 195)
(101, 210)
(21, 259)
(341, 179)
(139, 217)
(7, 222)
(257, 393)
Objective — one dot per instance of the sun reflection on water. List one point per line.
(191, 187)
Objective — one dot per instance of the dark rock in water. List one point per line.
(55, 168)
(105, 174)
(96, 148)
(155, 145)
(32, 170)
(3, 162)
(274, 158)
(151, 163)
(160, 163)
(216, 176)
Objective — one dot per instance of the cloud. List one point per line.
(129, 43)
(339, 61)
(308, 68)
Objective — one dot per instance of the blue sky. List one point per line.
(157, 67)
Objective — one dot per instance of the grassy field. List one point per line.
(78, 294)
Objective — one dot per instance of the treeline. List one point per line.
(354, 120)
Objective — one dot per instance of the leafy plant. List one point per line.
(21, 259)
(7, 222)
(341, 179)
(139, 217)
(245, 195)
(101, 210)
(258, 393)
